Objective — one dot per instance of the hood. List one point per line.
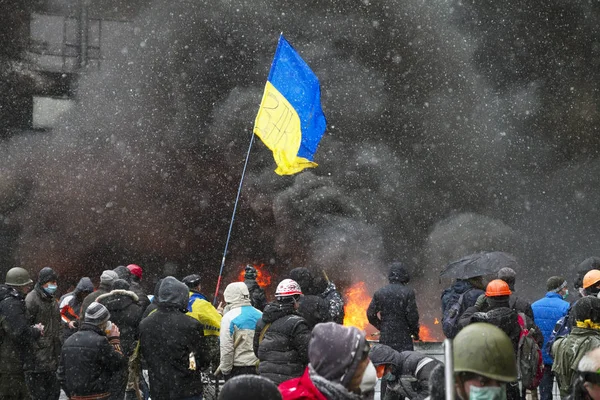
(123, 273)
(461, 286)
(304, 278)
(7, 291)
(398, 273)
(236, 294)
(117, 299)
(382, 354)
(172, 292)
(85, 285)
(274, 311)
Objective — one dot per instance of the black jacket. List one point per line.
(399, 316)
(314, 310)
(43, 308)
(143, 299)
(126, 312)
(167, 337)
(335, 303)
(283, 352)
(258, 299)
(16, 334)
(88, 362)
(503, 317)
(521, 305)
(90, 298)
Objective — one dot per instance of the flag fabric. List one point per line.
(290, 121)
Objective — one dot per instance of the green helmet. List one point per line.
(18, 276)
(486, 350)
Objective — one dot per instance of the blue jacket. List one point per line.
(547, 311)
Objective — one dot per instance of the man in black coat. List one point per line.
(281, 336)
(258, 299)
(136, 285)
(397, 306)
(16, 334)
(92, 356)
(173, 345)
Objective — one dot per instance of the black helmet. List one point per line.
(250, 272)
(192, 280)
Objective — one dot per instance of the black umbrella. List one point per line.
(479, 264)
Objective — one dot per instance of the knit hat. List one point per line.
(96, 314)
(46, 275)
(334, 351)
(135, 270)
(108, 277)
(555, 283)
(85, 285)
(509, 276)
(121, 284)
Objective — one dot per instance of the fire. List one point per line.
(263, 278)
(357, 302)
(425, 334)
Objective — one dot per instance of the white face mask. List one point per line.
(369, 378)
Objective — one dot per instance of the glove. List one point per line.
(481, 302)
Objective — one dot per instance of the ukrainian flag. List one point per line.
(290, 121)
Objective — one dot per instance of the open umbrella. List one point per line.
(478, 265)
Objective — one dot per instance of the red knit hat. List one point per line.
(135, 269)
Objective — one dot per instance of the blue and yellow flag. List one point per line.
(290, 120)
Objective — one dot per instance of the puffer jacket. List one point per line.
(567, 352)
(258, 299)
(283, 352)
(16, 333)
(89, 361)
(547, 311)
(43, 308)
(126, 313)
(237, 329)
(336, 303)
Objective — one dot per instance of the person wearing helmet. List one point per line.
(583, 268)
(17, 336)
(136, 285)
(484, 365)
(258, 299)
(584, 336)
(586, 385)
(202, 310)
(281, 336)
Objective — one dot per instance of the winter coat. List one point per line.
(70, 306)
(16, 334)
(43, 308)
(547, 311)
(450, 295)
(237, 335)
(258, 299)
(88, 362)
(335, 303)
(311, 386)
(521, 305)
(126, 313)
(200, 309)
(167, 337)
(567, 352)
(283, 351)
(90, 298)
(143, 299)
(503, 317)
(399, 315)
(314, 310)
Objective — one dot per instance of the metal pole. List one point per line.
(233, 218)
(449, 369)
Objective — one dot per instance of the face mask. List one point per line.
(488, 393)
(369, 379)
(50, 289)
(108, 328)
(566, 294)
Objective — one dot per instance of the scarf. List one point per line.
(331, 390)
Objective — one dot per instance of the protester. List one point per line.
(313, 308)
(202, 310)
(124, 273)
(281, 336)
(515, 302)
(173, 345)
(70, 306)
(41, 366)
(237, 332)
(107, 279)
(483, 365)
(16, 334)
(591, 283)
(92, 357)
(339, 366)
(154, 303)
(586, 385)
(585, 336)
(249, 387)
(257, 294)
(472, 288)
(583, 268)
(406, 373)
(328, 292)
(547, 311)
(136, 285)
(393, 310)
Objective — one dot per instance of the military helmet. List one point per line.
(484, 349)
(18, 276)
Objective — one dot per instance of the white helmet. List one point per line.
(288, 287)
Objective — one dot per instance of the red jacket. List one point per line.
(300, 389)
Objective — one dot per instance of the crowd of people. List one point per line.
(97, 342)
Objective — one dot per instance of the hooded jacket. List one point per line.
(167, 337)
(258, 299)
(283, 351)
(70, 305)
(126, 312)
(237, 329)
(397, 306)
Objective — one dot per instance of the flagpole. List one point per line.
(237, 199)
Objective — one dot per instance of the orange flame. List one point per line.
(357, 302)
(425, 334)
(436, 322)
(263, 278)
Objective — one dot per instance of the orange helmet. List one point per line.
(591, 278)
(498, 287)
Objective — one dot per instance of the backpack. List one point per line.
(451, 317)
(561, 329)
(529, 357)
